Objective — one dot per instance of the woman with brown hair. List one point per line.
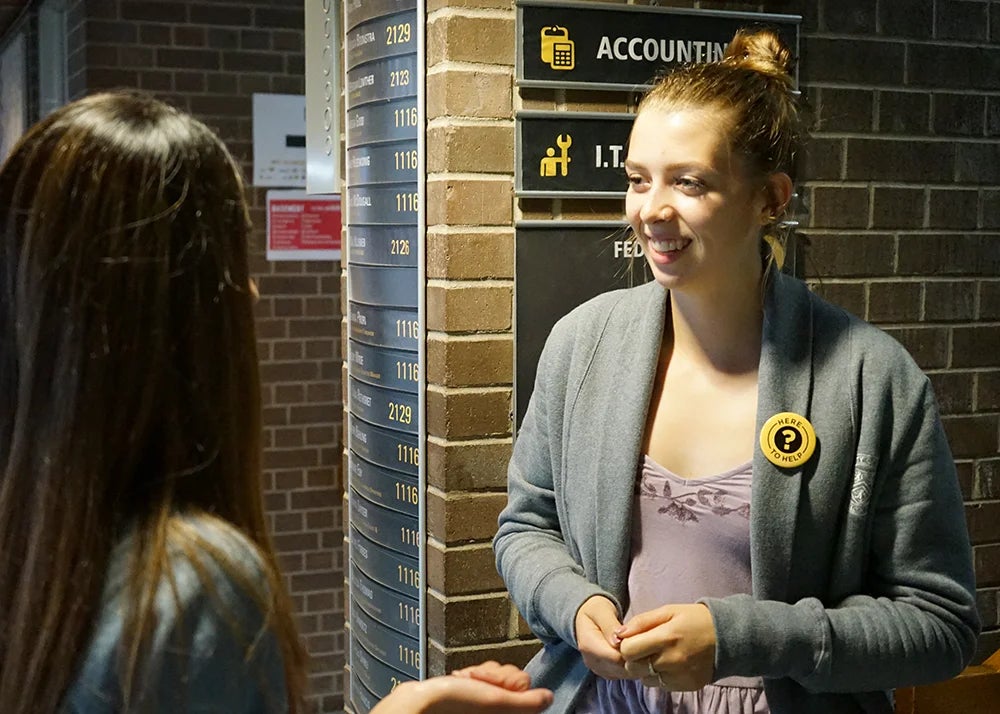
(754, 482)
(136, 571)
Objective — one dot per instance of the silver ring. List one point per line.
(652, 672)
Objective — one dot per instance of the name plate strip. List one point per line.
(394, 570)
(392, 489)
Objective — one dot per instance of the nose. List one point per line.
(658, 206)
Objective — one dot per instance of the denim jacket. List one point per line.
(211, 651)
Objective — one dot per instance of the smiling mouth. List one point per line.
(668, 246)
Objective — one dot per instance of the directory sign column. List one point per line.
(384, 246)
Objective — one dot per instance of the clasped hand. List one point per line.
(671, 647)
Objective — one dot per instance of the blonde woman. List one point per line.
(727, 495)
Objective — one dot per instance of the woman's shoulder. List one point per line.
(216, 544)
(210, 623)
(615, 308)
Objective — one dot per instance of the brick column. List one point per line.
(470, 270)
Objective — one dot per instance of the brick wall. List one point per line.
(904, 230)
(904, 224)
(209, 57)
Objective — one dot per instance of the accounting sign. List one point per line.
(624, 47)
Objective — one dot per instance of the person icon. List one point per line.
(549, 163)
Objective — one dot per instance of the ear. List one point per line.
(778, 191)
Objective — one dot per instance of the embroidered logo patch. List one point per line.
(861, 486)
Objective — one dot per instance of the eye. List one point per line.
(689, 184)
(635, 181)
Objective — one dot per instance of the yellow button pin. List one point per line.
(787, 439)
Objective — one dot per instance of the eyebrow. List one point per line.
(680, 166)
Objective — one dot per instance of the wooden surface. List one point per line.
(975, 691)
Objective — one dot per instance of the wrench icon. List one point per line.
(564, 141)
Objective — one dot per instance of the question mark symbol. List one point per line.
(789, 436)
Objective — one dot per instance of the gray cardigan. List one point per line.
(862, 569)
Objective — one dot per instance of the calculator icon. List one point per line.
(558, 51)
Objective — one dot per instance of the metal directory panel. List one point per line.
(384, 89)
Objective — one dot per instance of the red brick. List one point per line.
(949, 301)
(927, 345)
(285, 18)
(987, 562)
(253, 62)
(976, 346)
(187, 58)
(986, 485)
(112, 31)
(189, 36)
(988, 391)
(984, 522)
(847, 255)
(972, 436)
(231, 15)
(953, 391)
(894, 302)
(154, 34)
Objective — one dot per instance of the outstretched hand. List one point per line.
(676, 641)
(490, 688)
(596, 623)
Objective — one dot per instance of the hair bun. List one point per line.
(761, 50)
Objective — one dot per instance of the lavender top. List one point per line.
(690, 539)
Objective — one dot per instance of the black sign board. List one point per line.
(624, 47)
(555, 269)
(383, 286)
(384, 407)
(383, 205)
(395, 649)
(362, 699)
(381, 38)
(358, 11)
(571, 154)
(381, 200)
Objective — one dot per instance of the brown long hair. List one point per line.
(129, 388)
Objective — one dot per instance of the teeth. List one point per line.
(665, 246)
